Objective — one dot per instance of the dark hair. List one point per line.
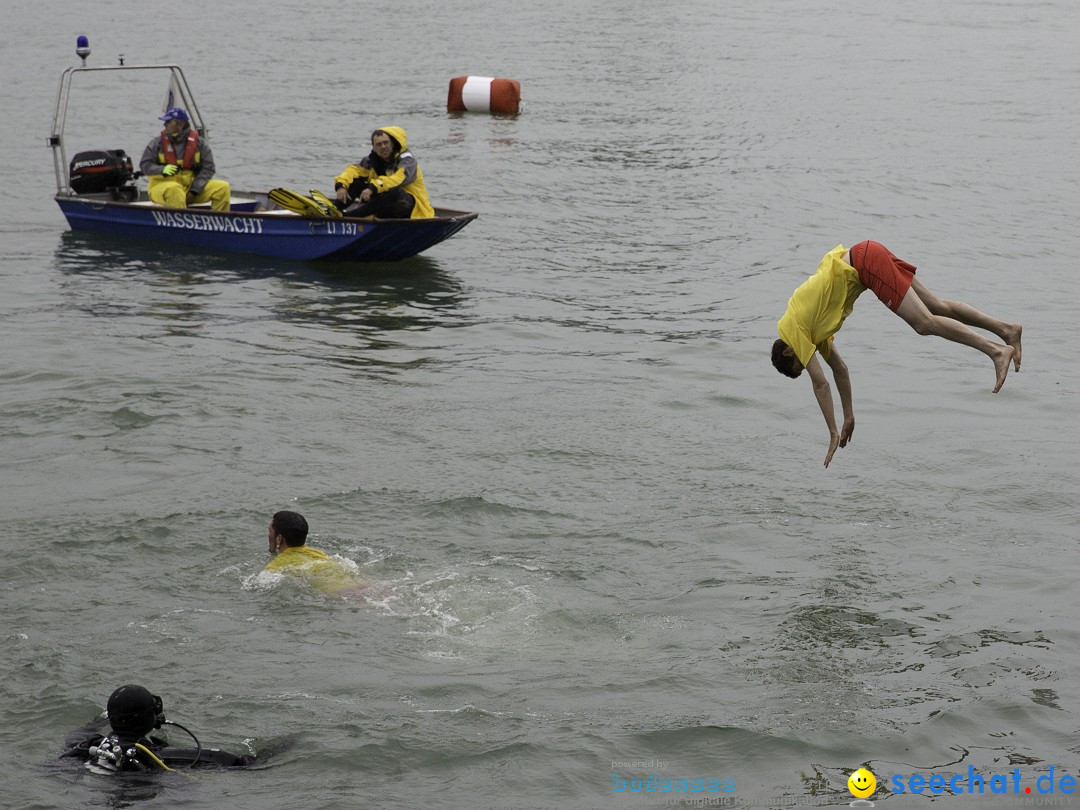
(377, 163)
(394, 141)
(784, 363)
(292, 526)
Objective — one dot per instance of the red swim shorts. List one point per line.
(880, 271)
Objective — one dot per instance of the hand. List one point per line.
(834, 442)
(342, 195)
(170, 169)
(847, 430)
(365, 195)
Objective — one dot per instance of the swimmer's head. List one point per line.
(134, 712)
(785, 361)
(290, 526)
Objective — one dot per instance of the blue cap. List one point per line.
(175, 114)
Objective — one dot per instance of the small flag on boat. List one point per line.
(173, 96)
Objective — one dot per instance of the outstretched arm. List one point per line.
(843, 387)
(823, 393)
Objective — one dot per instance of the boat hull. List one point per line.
(276, 233)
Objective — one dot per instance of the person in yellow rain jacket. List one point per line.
(288, 538)
(179, 166)
(387, 183)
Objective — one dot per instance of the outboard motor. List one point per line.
(101, 171)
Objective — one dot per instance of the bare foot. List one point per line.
(1012, 337)
(1004, 356)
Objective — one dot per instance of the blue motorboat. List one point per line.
(97, 191)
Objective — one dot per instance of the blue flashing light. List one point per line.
(82, 47)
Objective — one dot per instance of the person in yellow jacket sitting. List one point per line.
(387, 183)
(179, 166)
(291, 555)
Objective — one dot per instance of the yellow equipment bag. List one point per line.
(305, 206)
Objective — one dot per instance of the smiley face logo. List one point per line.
(862, 783)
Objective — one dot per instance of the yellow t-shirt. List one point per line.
(818, 307)
(324, 573)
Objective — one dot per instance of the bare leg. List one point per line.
(922, 320)
(965, 313)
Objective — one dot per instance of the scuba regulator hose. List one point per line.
(153, 757)
(198, 745)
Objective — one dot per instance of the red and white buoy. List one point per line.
(483, 94)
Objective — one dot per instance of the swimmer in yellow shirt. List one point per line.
(288, 537)
(817, 310)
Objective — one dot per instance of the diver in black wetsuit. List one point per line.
(132, 713)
